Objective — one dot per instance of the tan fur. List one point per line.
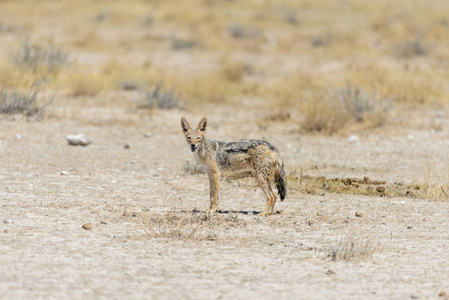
(260, 157)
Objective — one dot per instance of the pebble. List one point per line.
(78, 139)
(381, 189)
(87, 226)
(65, 173)
(353, 138)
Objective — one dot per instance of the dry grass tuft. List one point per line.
(159, 98)
(36, 57)
(178, 43)
(16, 102)
(323, 114)
(83, 85)
(189, 225)
(339, 108)
(350, 248)
(410, 48)
(180, 225)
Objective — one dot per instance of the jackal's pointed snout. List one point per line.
(193, 147)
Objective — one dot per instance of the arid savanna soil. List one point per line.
(399, 243)
(353, 94)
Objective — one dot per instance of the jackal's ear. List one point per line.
(202, 125)
(185, 125)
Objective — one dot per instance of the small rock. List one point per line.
(7, 221)
(381, 189)
(353, 138)
(330, 272)
(347, 181)
(78, 139)
(126, 146)
(18, 137)
(65, 173)
(410, 194)
(359, 214)
(148, 135)
(442, 294)
(87, 226)
(410, 137)
(409, 227)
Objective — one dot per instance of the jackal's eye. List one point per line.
(189, 138)
(198, 138)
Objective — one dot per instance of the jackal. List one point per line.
(260, 157)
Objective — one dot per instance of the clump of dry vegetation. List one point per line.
(350, 248)
(85, 85)
(189, 225)
(17, 102)
(338, 108)
(180, 226)
(159, 98)
(36, 57)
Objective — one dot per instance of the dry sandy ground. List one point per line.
(46, 254)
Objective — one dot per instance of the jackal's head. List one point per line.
(194, 137)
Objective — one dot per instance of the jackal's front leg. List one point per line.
(214, 180)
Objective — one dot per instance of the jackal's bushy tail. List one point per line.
(280, 180)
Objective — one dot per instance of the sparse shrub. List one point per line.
(360, 103)
(280, 114)
(16, 102)
(322, 40)
(7, 28)
(351, 249)
(129, 85)
(240, 32)
(180, 225)
(338, 108)
(181, 44)
(411, 48)
(158, 98)
(36, 57)
(192, 168)
(323, 114)
(103, 15)
(148, 20)
(291, 18)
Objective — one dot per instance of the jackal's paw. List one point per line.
(211, 212)
(264, 214)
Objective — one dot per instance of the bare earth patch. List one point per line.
(128, 222)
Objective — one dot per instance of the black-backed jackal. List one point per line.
(260, 157)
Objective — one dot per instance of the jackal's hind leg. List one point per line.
(273, 197)
(265, 186)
